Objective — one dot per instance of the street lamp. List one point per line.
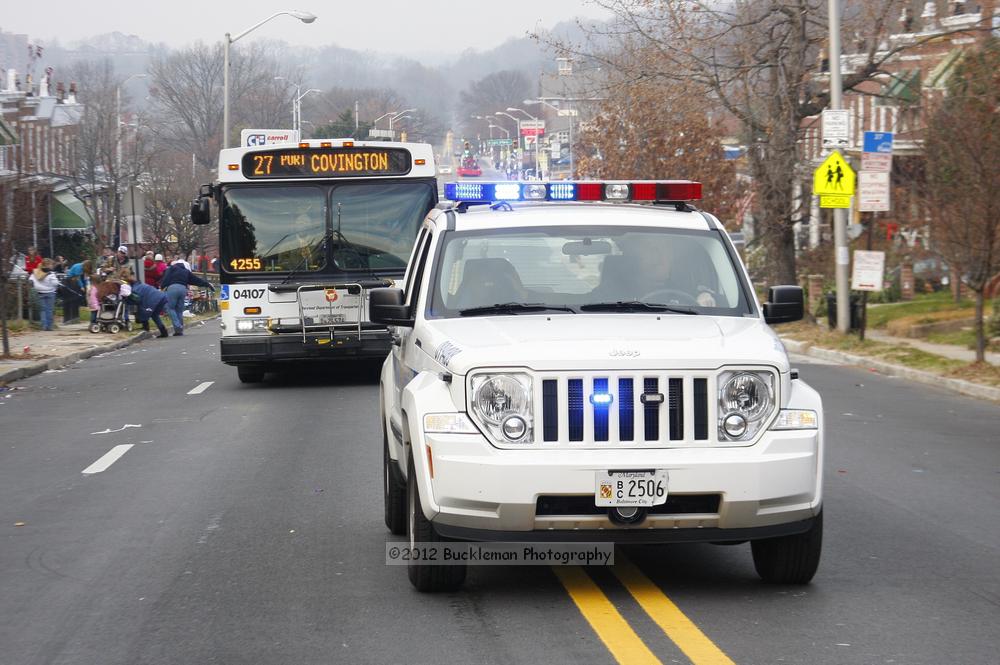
(397, 116)
(118, 153)
(557, 109)
(297, 107)
(305, 17)
(518, 123)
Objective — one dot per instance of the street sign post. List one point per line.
(874, 196)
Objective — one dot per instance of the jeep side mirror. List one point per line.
(200, 211)
(784, 304)
(387, 306)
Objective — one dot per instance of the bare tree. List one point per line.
(187, 94)
(758, 60)
(492, 93)
(963, 175)
(655, 130)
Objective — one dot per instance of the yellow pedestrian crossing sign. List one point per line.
(834, 177)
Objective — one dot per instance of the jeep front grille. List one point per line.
(645, 409)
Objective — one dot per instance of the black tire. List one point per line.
(115, 328)
(250, 374)
(427, 577)
(789, 559)
(394, 491)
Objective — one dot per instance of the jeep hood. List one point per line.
(601, 341)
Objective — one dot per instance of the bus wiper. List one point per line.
(635, 306)
(271, 248)
(514, 308)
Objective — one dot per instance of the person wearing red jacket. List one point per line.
(147, 269)
(32, 260)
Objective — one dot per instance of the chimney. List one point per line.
(72, 93)
(29, 85)
(11, 80)
(60, 91)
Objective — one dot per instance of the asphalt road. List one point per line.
(244, 525)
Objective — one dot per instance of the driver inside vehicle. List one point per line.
(657, 270)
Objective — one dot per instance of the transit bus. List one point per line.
(305, 231)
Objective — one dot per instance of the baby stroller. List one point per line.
(111, 316)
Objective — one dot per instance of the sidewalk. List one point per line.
(36, 351)
(947, 350)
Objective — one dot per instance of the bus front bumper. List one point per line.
(268, 349)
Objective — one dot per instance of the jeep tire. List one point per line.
(789, 559)
(394, 492)
(427, 577)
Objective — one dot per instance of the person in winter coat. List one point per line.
(175, 282)
(151, 305)
(32, 260)
(147, 269)
(93, 296)
(45, 283)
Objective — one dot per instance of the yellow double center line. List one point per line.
(618, 636)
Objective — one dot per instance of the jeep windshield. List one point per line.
(594, 269)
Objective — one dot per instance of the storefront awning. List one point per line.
(903, 88)
(69, 213)
(938, 77)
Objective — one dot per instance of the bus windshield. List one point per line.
(280, 228)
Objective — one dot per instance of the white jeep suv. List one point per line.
(569, 364)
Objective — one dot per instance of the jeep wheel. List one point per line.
(394, 491)
(249, 374)
(424, 576)
(789, 559)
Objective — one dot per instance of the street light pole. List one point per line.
(557, 109)
(305, 17)
(842, 259)
(297, 107)
(118, 154)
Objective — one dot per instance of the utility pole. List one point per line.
(843, 257)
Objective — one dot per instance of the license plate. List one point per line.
(325, 319)
(631, 488)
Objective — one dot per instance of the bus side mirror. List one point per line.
(784, 304)
(386, 306)
(200, 211)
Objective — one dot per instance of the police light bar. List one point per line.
(565, 190)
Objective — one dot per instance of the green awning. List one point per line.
(903, 88)
(69, 213)
(938, 77)
(7, 134)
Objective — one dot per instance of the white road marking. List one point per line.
(112, 431)
(200, 388)
(108, 459)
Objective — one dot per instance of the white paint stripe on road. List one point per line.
(108, 458)
(200, 388)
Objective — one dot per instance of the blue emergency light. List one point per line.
(622, 191)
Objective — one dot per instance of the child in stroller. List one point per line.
(111, 303)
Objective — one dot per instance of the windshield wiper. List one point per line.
(514, 308)
(307, 257)
(635, 306)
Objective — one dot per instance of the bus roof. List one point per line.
(326, 159)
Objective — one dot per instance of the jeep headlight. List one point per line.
(746, 400)
(502, 404)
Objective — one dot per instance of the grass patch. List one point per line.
(821, 336)
(924, 308)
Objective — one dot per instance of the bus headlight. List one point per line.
(502, 404)
(251, 325)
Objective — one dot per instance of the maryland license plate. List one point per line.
(631, 488)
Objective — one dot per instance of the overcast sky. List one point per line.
(385, 26)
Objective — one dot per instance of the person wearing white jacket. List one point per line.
(46, 283)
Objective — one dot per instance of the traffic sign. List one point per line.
(834, 201)
(878, 142)
(873, 191)
(499, 141)
(876, 161)
(834, 177)
(868, 271)
(835, 124)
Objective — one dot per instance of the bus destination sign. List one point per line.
(326, 163)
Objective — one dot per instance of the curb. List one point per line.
(61, 361)
(918, 376)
